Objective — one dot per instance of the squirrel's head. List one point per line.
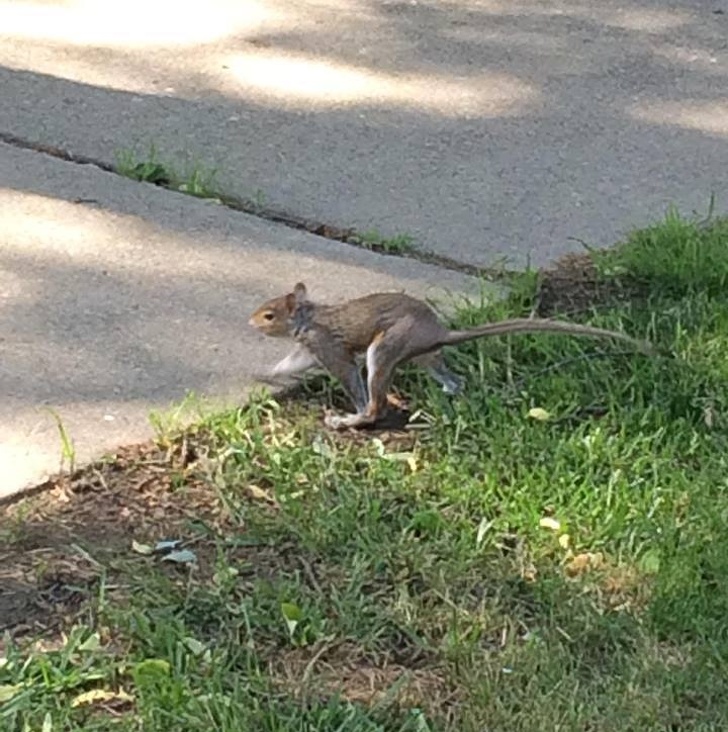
(276, 317)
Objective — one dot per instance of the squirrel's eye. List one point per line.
(269, 316)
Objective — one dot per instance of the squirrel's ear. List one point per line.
(300, 291)
(296, 297)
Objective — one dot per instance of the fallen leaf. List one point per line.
(163, 546)
(100, 695)
(8, 691)
(260, 494)
(549, 523)
(182, 556)
(406, 457)
(91, 643)
(196, 647)
(141, 548)
(540, 414)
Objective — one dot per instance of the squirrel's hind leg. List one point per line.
(437, 368)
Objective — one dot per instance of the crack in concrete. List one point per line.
(348, 236)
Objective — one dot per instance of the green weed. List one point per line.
(373, 240)
(68, 449)
(195, 180)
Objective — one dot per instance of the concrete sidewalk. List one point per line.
(118, 297)
(485, 128)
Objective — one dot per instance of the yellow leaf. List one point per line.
(540, 414)
(8, 691)
(140, 548)
(412, 462)
(549, 523)
(99, 695)
(260, 494)
(564, 540)
(92, 643)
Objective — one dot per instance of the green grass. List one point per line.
(194, 180)
(373, 240)
(497, 572)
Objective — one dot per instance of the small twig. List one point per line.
(86, 556)
(329, 642)
(101, 478)
(308, 571)
(192, 540)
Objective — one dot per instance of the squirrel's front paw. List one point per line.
(335, 422)
(267, 377)
(348, 421)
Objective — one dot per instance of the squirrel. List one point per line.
(387, 329)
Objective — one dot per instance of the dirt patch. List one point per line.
(57, 541)
(346, 670)
(573, 285)
(43, 590)
(134, 492)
